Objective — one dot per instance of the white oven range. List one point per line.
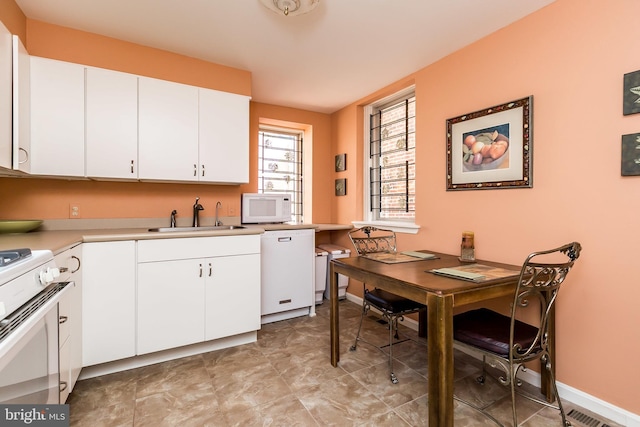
(29, 295)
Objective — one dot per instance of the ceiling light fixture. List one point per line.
(290, 7)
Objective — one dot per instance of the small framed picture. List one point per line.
(631, 154)
(631, 94)
(341, 162)
(341, 187)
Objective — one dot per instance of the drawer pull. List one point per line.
(284, 239)
(284, 301)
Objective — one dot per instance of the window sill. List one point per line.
(397, 227)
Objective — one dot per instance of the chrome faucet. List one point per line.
(172, 224)
(217, 221)
(197, 207)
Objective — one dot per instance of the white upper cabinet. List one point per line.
(112, 124)
(168, 131)
(57, 118)
(21, 107)
(223, 137)
(5, 99)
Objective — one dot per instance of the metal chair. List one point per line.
(507, 343)
(367, 240)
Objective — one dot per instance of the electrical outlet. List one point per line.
(74, 211)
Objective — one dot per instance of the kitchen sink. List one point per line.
(206, 228)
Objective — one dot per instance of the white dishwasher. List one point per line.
(287, 274)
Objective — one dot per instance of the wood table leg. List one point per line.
(334, 319)
(440, 359)
(422, 324)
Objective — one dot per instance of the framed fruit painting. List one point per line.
(491, 148)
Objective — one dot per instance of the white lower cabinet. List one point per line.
(170, 304)
(232, 295)
(196, 289)
(108, 301)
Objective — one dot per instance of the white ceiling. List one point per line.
(321, 61)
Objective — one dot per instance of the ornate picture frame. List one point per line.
(631, 93)
(341, 187)
(491, 148)
(630, 155)
(341, 162)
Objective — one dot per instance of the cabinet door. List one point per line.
(112, 124)
(168, 126)
(232, 295)
(170, 304)
(57, 117)
(5, 99)
(108, 301)
(21, 107)
(224, 137)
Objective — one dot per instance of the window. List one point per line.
(391, 157)
(280, 166)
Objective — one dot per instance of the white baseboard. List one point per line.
(568, 393)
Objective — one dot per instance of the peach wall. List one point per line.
(50, 199)
(66, 44)
(13, 18)
(571, 56)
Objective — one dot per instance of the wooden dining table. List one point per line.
(414, 280)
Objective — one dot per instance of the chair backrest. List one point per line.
(369, 240)
(539, 283)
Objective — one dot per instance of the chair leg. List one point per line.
(394, 379)
(365, 308)
(483, 375)
(555, 390)
(512, 384)
(395, 325)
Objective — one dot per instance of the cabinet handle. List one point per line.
(63, 269)
(284, 239)
(131, 166)
(195, 170)
(200, 270)
(26, 156)
(202, 170)
(210, 270)
(63, 386)
(77, 259)
(63, 319)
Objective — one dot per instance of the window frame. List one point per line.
(298, 206)
(399, 226)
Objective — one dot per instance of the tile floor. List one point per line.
(286, 379)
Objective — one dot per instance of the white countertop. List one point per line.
(58, 240)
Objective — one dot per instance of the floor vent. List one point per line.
(585, 419)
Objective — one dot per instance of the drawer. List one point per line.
(197, 247)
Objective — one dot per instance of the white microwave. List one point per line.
(265, 208)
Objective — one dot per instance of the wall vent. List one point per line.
(585, 419)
